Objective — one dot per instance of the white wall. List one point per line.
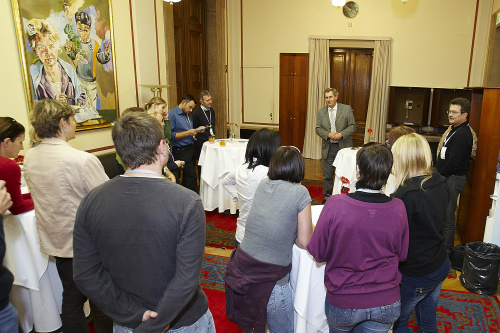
(431, 39)
(12, 88)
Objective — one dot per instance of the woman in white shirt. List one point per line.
(242, 182)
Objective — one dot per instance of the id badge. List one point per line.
(443, 152)
(211, 131)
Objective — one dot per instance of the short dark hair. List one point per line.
(287, 164)
(10, 129)
(136, 136)
(204, 93)
(261, 147)
(188, 98)
(463, 102)
(375, 163)
(46, 116)
(83, 18)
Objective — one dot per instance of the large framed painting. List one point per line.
(66, 51)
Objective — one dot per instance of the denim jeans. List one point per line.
(203, 325)
(378, 319)
(456, 185)
(280, 310)
(424, 300)
(8, 320)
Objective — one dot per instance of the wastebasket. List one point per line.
(480, 269)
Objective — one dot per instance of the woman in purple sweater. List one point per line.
(363, 236)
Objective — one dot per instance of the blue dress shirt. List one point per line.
(180, 122)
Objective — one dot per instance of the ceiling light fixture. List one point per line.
(404, 1)
(338, 3)
(172, 1)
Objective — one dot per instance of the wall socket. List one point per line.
(349, 24)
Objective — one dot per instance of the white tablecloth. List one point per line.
(216, 161)
(307, 281)
(345, 166)
(37, 290)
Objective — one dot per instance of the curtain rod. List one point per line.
(350, 37)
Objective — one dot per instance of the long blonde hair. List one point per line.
(412, 157)
(148, 107)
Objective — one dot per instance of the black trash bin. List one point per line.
(480, 269)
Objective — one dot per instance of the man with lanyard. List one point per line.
(454, 155)
(182, 139)
(203, 115)
(335, 125)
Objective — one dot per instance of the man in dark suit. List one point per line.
(203, 115)
(335, 126)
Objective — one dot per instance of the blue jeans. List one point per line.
(8, 320)
(378, 319)
(424, 300)
(280, 310)
(203, 325)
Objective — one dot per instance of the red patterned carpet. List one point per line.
(211, 280)
(458, 311)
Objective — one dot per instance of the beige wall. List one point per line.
(12, 88)
(431, 40)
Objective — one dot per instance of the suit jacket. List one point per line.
(199, 119)
(344, 123)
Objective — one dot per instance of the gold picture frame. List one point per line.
(66, 53)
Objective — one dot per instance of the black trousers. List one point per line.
(188, 155)
(73, 317)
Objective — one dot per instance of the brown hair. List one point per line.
(396, 133)
(335, 92)
(463, 102)
(10, 129)
(136, 136)
(46, 116)
(287, 164)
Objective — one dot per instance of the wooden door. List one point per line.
(351, 71)
(190, 54)
(294, 71)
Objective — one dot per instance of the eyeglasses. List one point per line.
(453, 112)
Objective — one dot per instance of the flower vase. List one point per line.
(231, 137)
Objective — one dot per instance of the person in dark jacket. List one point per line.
(425, 195)
(453, 160)
(8, 314)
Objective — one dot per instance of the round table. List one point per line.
(216, 161)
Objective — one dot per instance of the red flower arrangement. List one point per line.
(345, 185)
(19, 159)
(370, 131)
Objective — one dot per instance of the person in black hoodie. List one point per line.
(8, 314)
(425, 195)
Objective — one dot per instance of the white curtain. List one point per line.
(376, 117)
(319, 80)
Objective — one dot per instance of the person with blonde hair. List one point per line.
(157, 107)
(425, 195)
(59, 176)
(51, 77)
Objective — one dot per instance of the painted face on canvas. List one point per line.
(46, 49)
